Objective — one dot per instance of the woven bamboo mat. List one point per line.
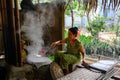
(95, 73)
(81, 74)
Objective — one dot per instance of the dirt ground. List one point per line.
(103, 36)
(109, 36)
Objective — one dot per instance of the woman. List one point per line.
(75, 51)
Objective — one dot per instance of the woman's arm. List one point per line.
(60, 42)
(82, 50)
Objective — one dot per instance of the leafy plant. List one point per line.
(86, 40)
(96, 25)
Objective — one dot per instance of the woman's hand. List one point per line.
(54, 44)
(84, 63)
(60, 42)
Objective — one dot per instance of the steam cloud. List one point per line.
(34, 25)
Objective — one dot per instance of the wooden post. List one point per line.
(11, 35)
(61, 21)
(4, 25)
(9, 32)
(18, 36)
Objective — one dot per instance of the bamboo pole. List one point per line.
(11, 50)
(4, 24)
(18, 36)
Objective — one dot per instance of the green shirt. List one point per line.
(73, 49)
(72, 55)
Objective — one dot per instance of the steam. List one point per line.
(33, 29)
(35, 25)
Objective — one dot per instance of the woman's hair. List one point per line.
(74, 30)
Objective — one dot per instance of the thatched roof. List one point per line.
(90, 5)
(93, 4)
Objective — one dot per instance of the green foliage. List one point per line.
(65, 33)
(93, 45)
(67, 11)
(74, 4)
(75, 7)
(86, 40)
(96, 25)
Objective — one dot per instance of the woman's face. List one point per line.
(71, 36)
